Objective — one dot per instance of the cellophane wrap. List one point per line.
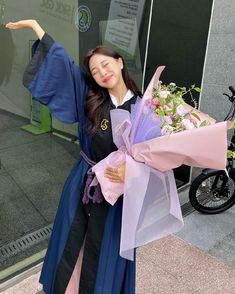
(151, 208)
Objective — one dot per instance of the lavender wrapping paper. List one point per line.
(151, 208)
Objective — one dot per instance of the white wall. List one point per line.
(219, 67)
(219, 71)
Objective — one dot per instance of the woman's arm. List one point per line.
(52, 77)
(27, 24)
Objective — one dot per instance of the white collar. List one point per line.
(128, 96)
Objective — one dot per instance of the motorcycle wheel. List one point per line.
(213, 192)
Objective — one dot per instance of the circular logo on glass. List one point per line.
(83, 18)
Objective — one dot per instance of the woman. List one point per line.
(86, 227)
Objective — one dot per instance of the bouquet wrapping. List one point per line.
(151, 208)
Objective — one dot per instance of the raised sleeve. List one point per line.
(55, 80)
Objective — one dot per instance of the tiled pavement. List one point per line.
(189, 262)
(32, 173)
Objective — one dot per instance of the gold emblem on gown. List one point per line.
(104, 125)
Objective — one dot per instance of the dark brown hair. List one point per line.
(98, 99)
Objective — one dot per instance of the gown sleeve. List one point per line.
(55, 80)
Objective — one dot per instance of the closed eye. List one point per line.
(94, 72)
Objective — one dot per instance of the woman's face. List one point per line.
(106, 71)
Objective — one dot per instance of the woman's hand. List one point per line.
(117, 174)
(27, 24)
(22, 24)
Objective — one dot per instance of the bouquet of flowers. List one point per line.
(169, 106)
(162, 132)
(166, 112)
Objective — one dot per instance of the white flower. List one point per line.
(167, 130)
(172, 84)
(187, 124)
(180, 110)
(163, 94)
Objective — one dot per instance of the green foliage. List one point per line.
(230, 154)
(203, 124)
(233, 123)
(195, 115)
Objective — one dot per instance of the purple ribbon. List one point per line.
(91, 181)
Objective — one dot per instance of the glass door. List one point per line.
(34, 167)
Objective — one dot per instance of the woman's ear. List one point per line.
(121, 62)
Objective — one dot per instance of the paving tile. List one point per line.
(41, 188)
(28, 286)
(152, 279)
(225, 249)
(9, 190)
(60, 166)
(46, 148)
(17, 218)
(190, 266)
(43, 183)
(33, 174)
(70, 147)
(45, 196)
(9, 120)
(30, 153)
(14, 137)
(204, 231)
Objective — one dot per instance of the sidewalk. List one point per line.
(200, 260)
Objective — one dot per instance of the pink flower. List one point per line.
(150, 104)
(155, 101)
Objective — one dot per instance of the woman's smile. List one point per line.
(107, 79)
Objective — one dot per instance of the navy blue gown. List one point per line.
(54, 79)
